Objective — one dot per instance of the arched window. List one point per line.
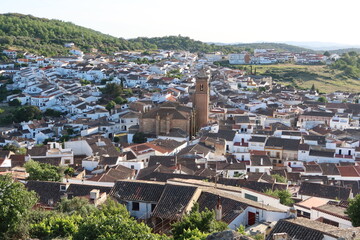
(201, 87)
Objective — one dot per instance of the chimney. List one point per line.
(179, 167)
(218, 210)
(280, 236)
(261, 161)
(94, 194)
(133, 174)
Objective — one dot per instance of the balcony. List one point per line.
(241, 144)
(343, 156)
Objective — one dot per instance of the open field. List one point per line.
(304, 76)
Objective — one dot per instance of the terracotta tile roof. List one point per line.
(324, 191)
(348, 171)
(140, 191)
(295, 231)
(173, 201)
(312, 202)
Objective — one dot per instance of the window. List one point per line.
(328, 221)
(306, 215)
(67, 161)
(62, 187)
(250, 197)
(132, 167)
(135, 206)
(201, 87)
(153, 205)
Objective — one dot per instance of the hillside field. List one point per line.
(323, 77)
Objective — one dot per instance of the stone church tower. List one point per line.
(202, 98)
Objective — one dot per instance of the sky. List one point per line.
(225, 21)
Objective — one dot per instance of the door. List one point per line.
(251, 218)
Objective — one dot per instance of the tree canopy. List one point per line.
(27, 113)
(43, 171)
(139, 137)
(284, 195)
(112, 221)
(353, 211)
(348, 64)
(15, 203)
(197, 223)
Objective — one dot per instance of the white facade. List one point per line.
(339, 122)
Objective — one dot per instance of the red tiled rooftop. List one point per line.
(348, 171)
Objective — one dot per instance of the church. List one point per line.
(175, 120)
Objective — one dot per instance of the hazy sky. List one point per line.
(207, 20)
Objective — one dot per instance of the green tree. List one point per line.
(197, 221)
(69, 171)
(353, 211)
(27, 113)
(43, 171)
(313, 88)
(15, 204)
(112, 90)
(279, 178)
(77, 206)
(322, 99)
(56, 226)
(139, 137)
(284, 195)
(120, 100)
(15, 103)
(70, 131)
(15, 149)
(84, 82)
(241, 230)
(326, 53)
(110, 105)
(193, 234)
(52, 113)
(112, 221)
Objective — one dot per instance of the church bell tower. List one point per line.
(202, 98)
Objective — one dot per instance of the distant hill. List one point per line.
(186, 43)
(47, 37)
(323, 46)
(345, 50)
(276, 46)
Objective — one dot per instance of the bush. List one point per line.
(284, 195)
(279, 178)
